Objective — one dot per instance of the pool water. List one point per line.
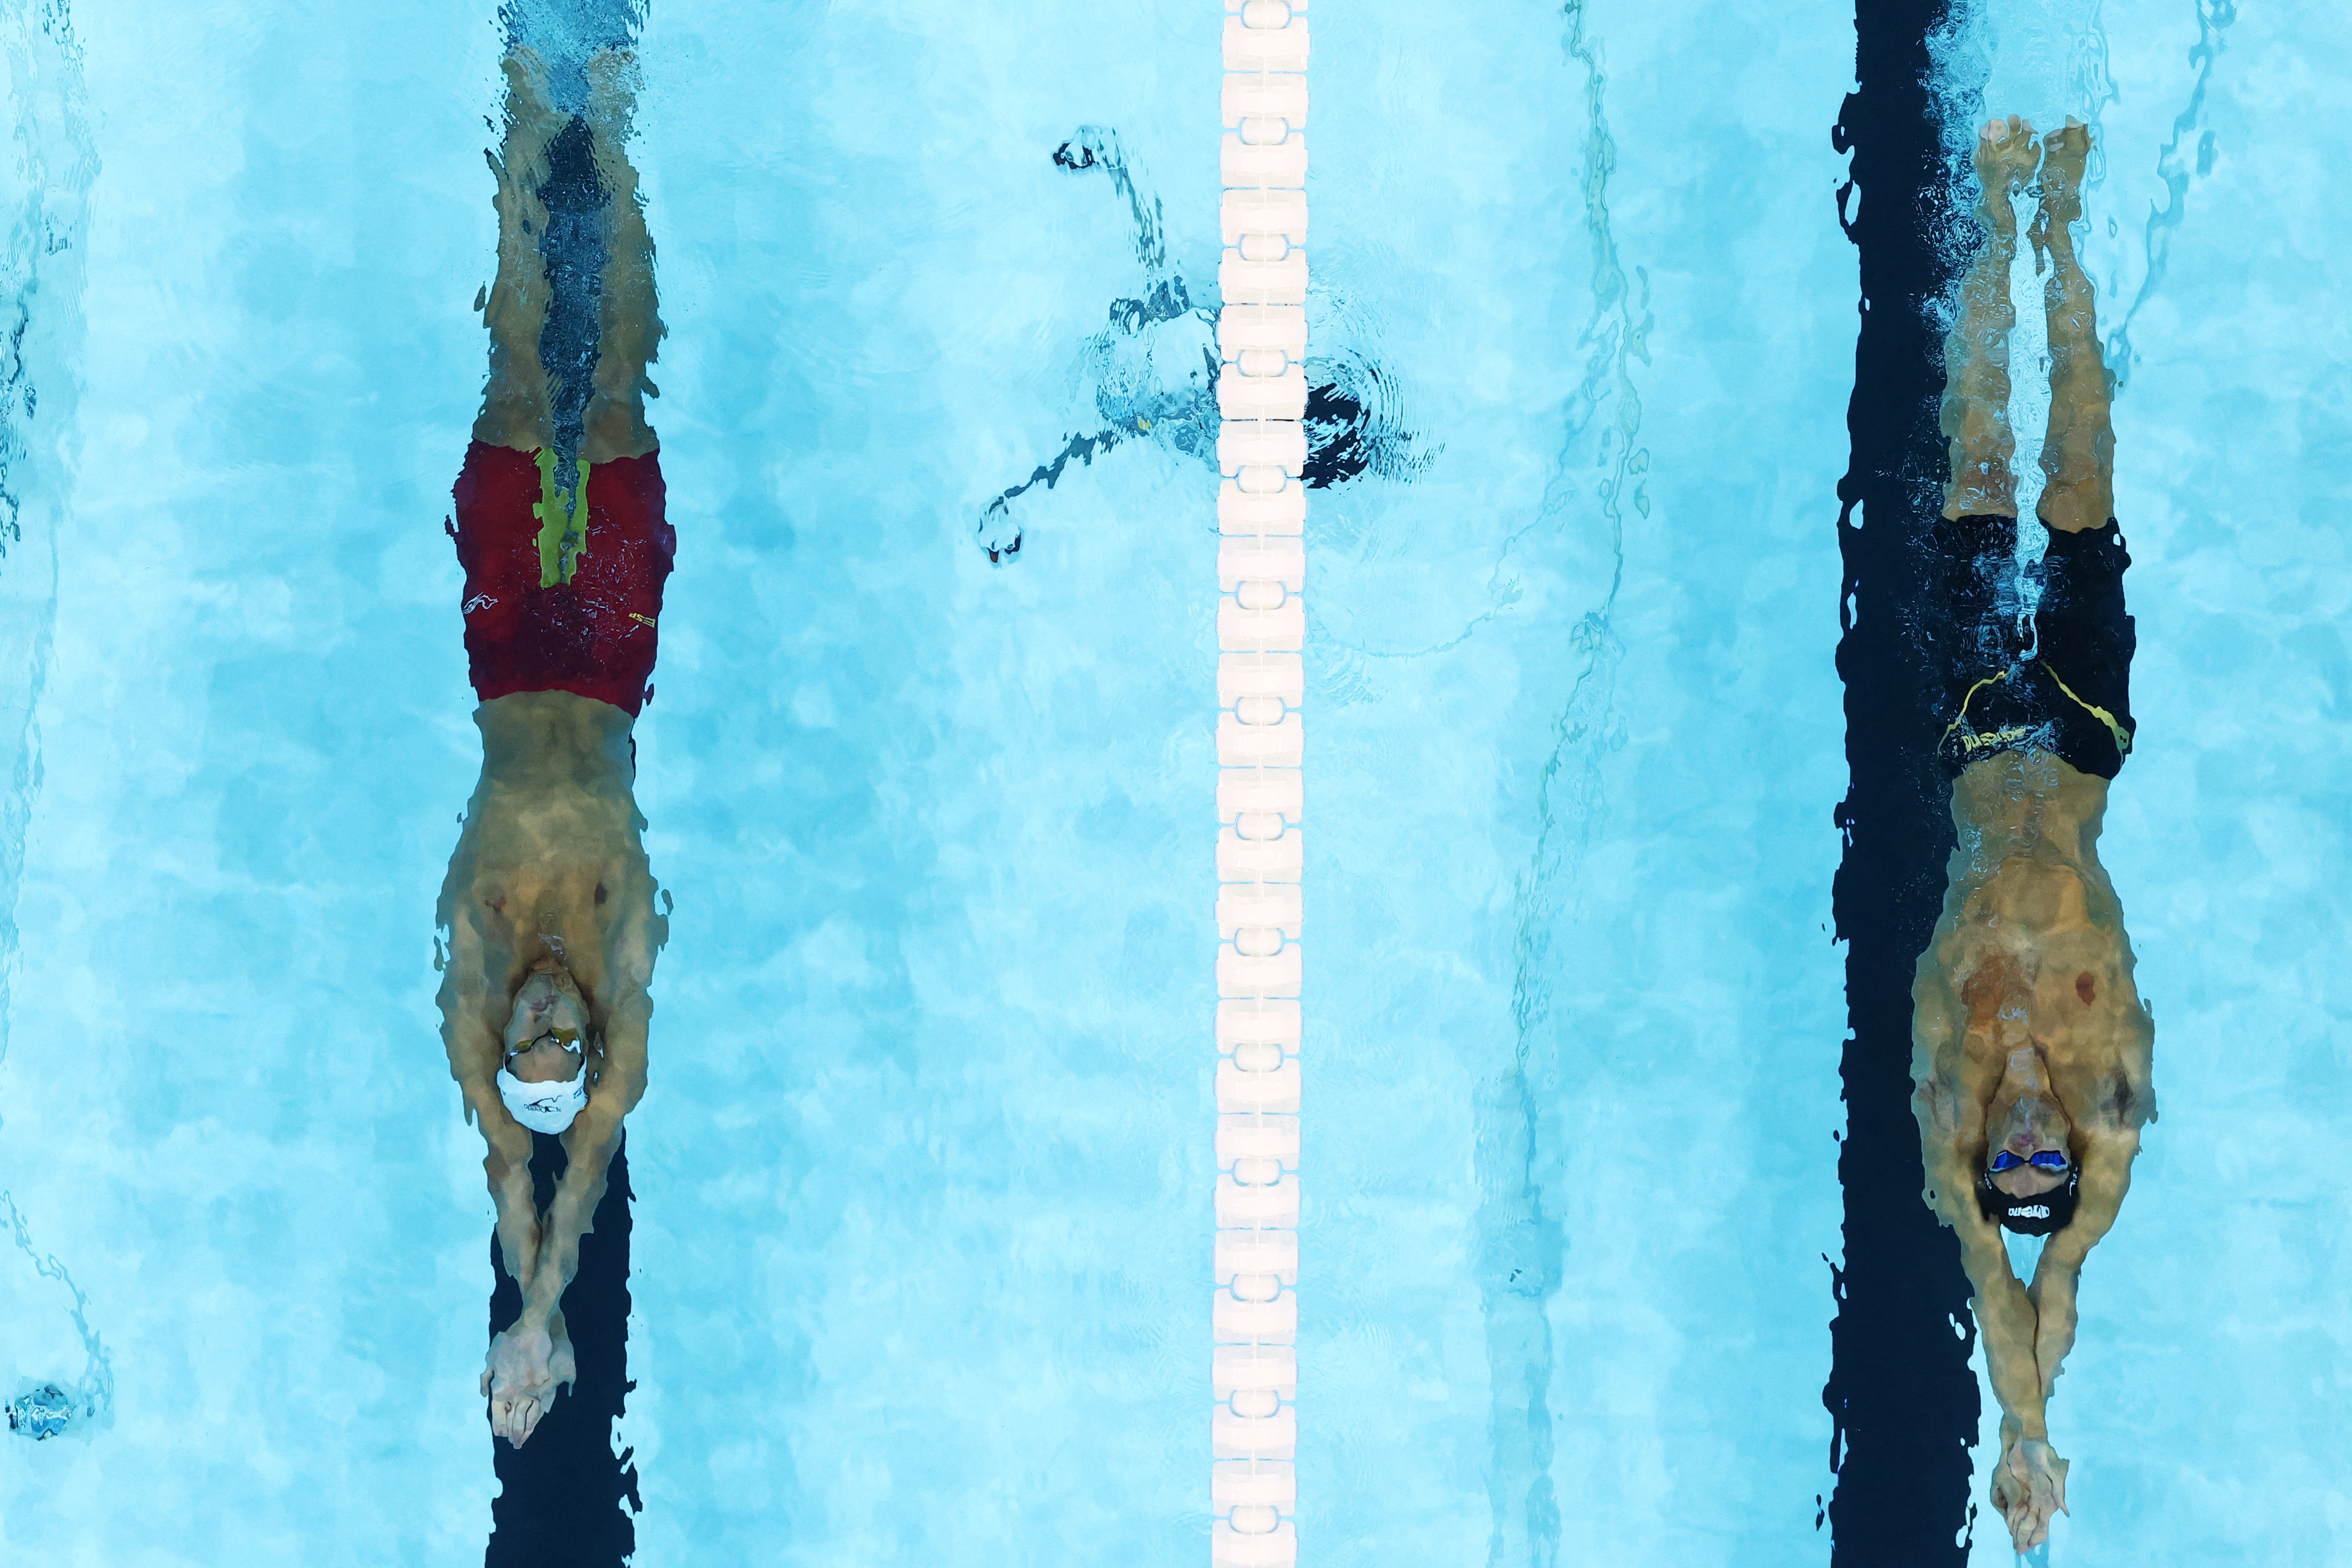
(921, 1230)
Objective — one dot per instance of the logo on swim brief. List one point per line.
(641, 620)
(2030, 1211)
(478, 602)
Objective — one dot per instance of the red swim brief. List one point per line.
(594, 636)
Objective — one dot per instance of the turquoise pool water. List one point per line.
(922, 1223)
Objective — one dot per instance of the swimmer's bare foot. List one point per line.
(2064, 155)
(2006, 157)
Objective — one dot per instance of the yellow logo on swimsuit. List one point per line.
(563, 522)
(1978, 740)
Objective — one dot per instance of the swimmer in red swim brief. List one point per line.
(564, 560)
(548, 915)
(529, 627)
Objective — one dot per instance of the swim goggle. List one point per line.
(2049, 1160)
(567, 1038)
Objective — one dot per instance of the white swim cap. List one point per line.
(544, 1107)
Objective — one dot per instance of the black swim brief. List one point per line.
(2058, 683)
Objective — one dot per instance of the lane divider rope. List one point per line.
(1260, 747)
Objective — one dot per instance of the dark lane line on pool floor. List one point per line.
(1523, 1247)
(1901, 1392)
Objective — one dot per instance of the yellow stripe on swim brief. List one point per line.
(563, 522)
(1974, 741)
(1971, 741)
(2123, 736)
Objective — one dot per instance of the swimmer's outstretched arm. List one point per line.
(2029, 1479)
(595, 1135)
(2111, 1135)
(532, 1358)
(1951, 1134)
(475, 1050)
(589, 1143)
(2107, 1178)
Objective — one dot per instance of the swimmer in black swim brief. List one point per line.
(2058, 680)
(2031, 1048)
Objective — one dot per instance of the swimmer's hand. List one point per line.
(527, 1364)
(2029, 1486)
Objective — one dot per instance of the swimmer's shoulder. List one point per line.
(2107, 1098)
(2103, 1058)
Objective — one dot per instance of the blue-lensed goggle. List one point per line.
(2047, 1160)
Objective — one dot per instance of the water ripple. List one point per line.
(41, 314)
(1522, 1246)
(2174, 168)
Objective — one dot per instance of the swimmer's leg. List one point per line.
(628, 315)
(515, 409)
(1976, 351)
(2079, 453)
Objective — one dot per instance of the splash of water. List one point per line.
(1523, 1247)
(1153, 369)
(1097, 147)
(1135, 398)
(46, 1410)
(567, 34)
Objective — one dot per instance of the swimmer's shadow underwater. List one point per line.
(560, 1494)
(1153, 368)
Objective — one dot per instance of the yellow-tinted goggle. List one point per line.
(568, 1039)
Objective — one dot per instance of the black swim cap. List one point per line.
(2037, 1215)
